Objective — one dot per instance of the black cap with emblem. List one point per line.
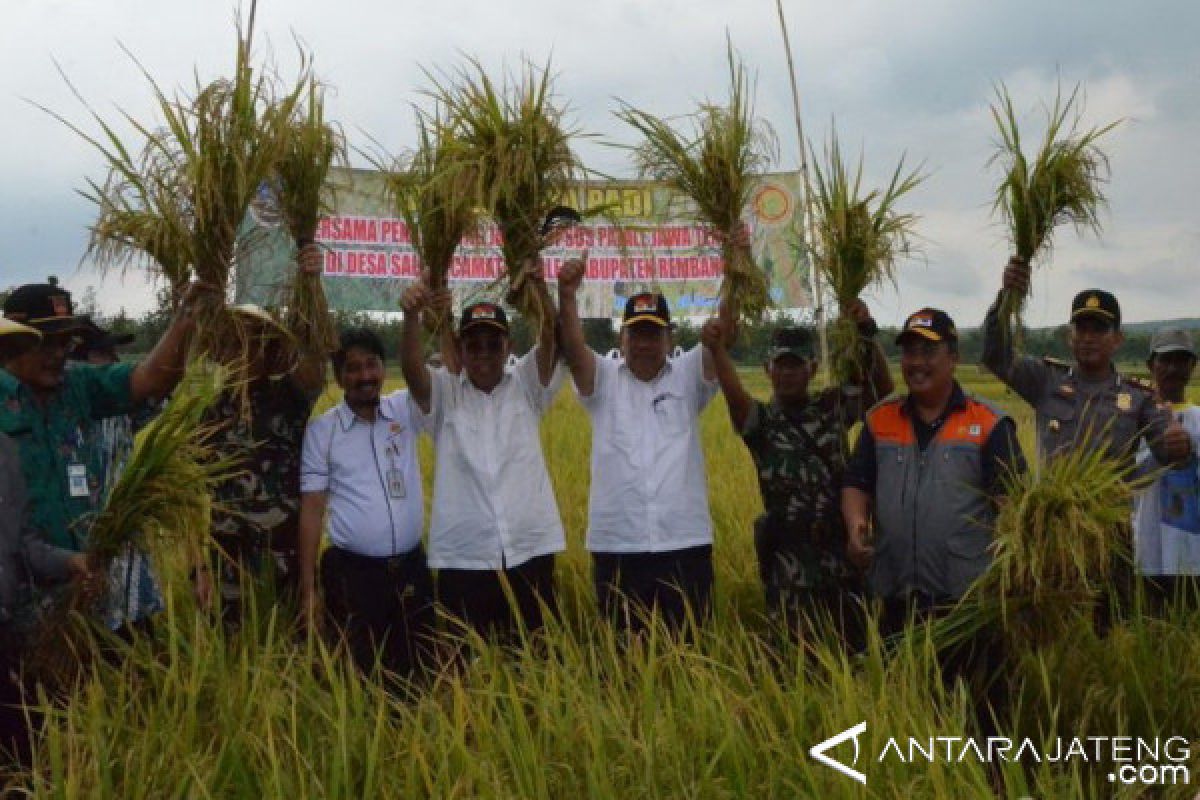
(1097, 304)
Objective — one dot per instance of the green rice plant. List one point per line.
(215, 149)
(142, 222)
(435, 193)
(517, 147)
(311, 146)
(858, 237)
(713, 163)
(1060, 538)
(164, 492)
(1063, 182)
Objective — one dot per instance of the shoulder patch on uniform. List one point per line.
(1056, 362)
(1138, 383)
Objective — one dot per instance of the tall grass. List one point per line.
(193, 712)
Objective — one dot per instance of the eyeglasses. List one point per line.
(60, 341)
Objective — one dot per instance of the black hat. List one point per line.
(1096, 303)
(483, 314)
(929, 323)
(44, 307)
(792, 342)
(96, 338)
(647, 307)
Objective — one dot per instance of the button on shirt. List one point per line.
(648, 492)
(493, 505)
(370, 472)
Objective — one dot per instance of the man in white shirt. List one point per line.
(1166, 515)
(649, 528)
(360, 465)
(495, 524)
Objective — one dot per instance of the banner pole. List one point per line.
(806, 216)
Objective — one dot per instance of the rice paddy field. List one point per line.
(194, 713)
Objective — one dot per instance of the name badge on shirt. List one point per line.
(77, 483)
(395, 484)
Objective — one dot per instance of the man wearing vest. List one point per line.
(926, 470)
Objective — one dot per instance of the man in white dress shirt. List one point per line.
(495, 525)
(649, 528)
(360, 465)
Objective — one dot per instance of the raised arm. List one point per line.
(737, 399)
(414, 302)
(309, 373)
(160, 371)
(580, 358)
(547, 342)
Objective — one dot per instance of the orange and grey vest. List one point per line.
(933, 519)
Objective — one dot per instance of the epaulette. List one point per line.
(1138, 383)
(1058, 363)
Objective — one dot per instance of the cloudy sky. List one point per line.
(909, 78)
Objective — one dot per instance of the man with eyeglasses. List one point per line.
(495, 526)
(1087, 403)
(649, 527)
(52, 412)
(925, 471)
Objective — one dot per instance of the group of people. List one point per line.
(902, 520)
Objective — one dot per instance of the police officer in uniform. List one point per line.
(1087, 403)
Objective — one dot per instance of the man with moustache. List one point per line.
(649, 528)
(495, 525)
(53, 413)
(924, 475)
(1087, 403)
(360, 466)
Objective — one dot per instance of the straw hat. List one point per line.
(16, 337)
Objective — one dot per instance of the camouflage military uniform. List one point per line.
(256, 525)
(1114, 413)
(800, 455)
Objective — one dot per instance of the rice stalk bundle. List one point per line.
(434, 192)
(311, 146)
(713, 162)
(857, 239)
(164, 492)
(143, 222)
(212, 152)
(1063, 183)
(518, 149)
(1061, 538)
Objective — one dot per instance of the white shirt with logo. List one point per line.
(648, 486)
(1166, 515)
(493, 504)
(371, 475)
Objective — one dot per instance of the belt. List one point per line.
(401, 562)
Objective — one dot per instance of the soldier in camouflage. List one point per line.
(798, 443)
(255, 520)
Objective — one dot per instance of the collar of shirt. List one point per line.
(1114, 376)
(347, 417)
(662, 373)
(957, 402)
(465, 382)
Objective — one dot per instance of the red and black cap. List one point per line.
(483, 314)
(929, 323)
(44, 307)
(646, 307)
(1098, 304)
